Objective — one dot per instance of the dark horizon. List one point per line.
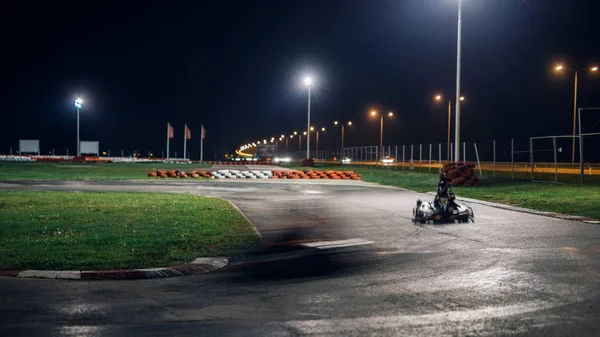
(237, 68)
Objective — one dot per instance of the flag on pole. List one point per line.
(188, 134)
(203, 133)
(170, 131)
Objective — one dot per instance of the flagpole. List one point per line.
(184, 140)
(202, 135)
(167, 140)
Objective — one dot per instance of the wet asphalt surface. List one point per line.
(508, 273)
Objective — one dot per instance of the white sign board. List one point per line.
(89, 148)
(29, 146)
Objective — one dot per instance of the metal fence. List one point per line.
(535, 158)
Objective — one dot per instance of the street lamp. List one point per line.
(560, 67)
(439, 98)
(349, 124)
(308, 83)
(374, 113)
(312, 128)
(458, 52)
(78, 104)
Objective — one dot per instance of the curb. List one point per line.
(529, 210)
(245, 217)
(198, 266)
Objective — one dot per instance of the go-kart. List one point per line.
(448, 210)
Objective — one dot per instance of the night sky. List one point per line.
(237, 67)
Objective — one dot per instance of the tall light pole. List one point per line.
(308, 82)
(349, 124)
(317, 149)
(438, 98)
(560, 67)
(300, 141)
(458, 49)
(374, 113)
(78, 104)
(312, 128)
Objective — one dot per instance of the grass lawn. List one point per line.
(84, 231)
(88, 171)
(561, 198)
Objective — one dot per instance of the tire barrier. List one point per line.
(16, 159)
(256, 174)
(308, 162)
(315, 174)
(242, 163)
(461, 174)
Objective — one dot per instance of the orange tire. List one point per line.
(345, 178)
(355, 178)
(315, 177)
(328, 172)
(325, 177)
(274, 177)
(335, 177)
(348, 173)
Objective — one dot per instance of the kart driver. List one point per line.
(443, 191)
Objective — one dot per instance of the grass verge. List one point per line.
(86, 231)
(551, 197)
(88, 171)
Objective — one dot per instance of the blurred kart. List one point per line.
(443, 211)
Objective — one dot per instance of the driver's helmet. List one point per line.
(442, 187)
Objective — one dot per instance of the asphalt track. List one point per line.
(508, 273)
